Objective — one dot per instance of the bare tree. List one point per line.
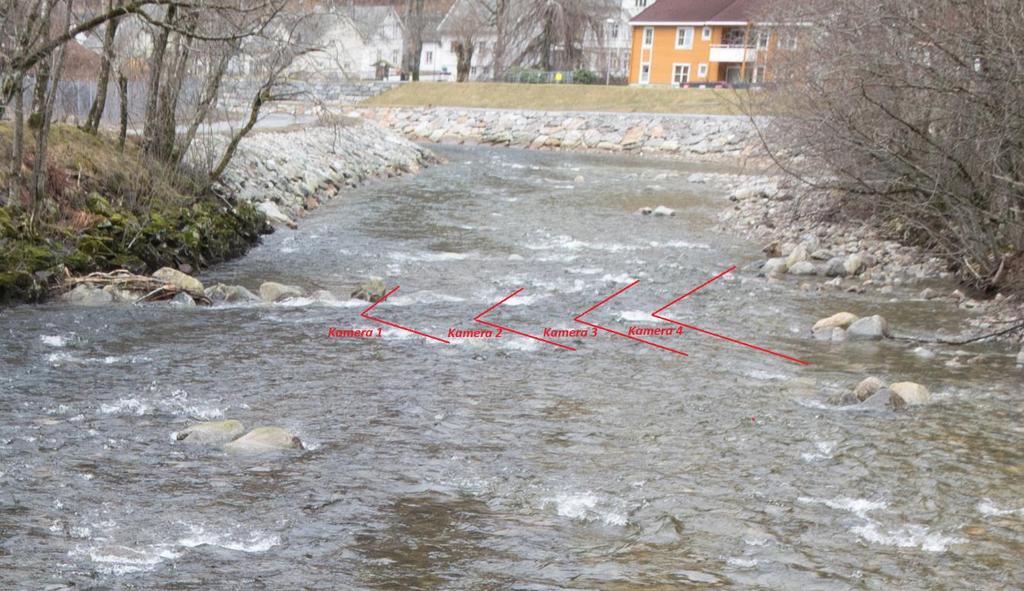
(465, 22)
(911, 113)
(553, 30)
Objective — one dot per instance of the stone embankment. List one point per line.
(695, 137)
(285, 173)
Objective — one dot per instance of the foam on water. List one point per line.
(586, 506)
(432, 257)
(987, 507)
(637, 316)
(907, 536)
(177, 403)
(255, 541)
(54, 340)
(825, 449)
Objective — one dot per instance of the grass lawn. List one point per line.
(562, 97)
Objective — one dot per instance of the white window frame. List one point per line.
(677, 79)
(702, 71)
(645, 79)
(648, 37)
(687, 34)
(761, 39)
(705, 34)
(428, 58)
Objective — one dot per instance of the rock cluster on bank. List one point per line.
(691, 136)
(285, 173)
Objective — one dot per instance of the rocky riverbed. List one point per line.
(694, 137)
(808, 239)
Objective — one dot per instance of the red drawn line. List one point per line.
(579, 319)
(657, 314)
(479, 318)
(365, 314)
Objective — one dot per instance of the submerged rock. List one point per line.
(370, 290)
(275, 215)
(88, 295)
(183, 299)
(212, 432)
(839, 320)
(868, 387)
(884, 398)
(776, 266)
(264, 439)
(870, 328)
(645, 211)
(271, 291)
(180, 280)
(230, 294)
(911, 392)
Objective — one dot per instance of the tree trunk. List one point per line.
(92, 122)
(122, 94)
(262, 96)
(208, 99)
(156, 66)
(464, 55)
(39, 168)
(501, 38)
(18, 143)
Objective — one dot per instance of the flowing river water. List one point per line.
(505, 462)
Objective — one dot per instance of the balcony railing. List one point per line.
(733, 53)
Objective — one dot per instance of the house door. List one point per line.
(732, 74)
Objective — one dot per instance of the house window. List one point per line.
(648, 36)
(787, 41)
(762, 39)
(640, 3)
(645, 74)
(614, 31)
(428, 57)
(472, 71)
(680, 74)
(702, 71)
(705, 34)
(684, 38)
(758, 75)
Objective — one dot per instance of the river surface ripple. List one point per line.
(504, 462)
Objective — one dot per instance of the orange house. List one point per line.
(698, 42)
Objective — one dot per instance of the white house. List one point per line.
(439, 60)
(351, 43)
(609, 51)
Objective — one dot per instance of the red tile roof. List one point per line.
(699, 11)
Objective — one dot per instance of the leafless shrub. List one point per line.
(912, 111)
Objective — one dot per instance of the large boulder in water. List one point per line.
(911, 392)
(211, 432)
(88, 295)
(871, 328)
(867, 388)
(230, 294)
(370, 290)
(272, 291)
(184, 282)
(265, 439)
(840, 320)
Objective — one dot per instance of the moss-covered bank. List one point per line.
(108, 210)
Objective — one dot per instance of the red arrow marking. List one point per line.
(617, 333)
(512, 330)
(657, 315)
(366, 314)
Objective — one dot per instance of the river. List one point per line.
(505, 462)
